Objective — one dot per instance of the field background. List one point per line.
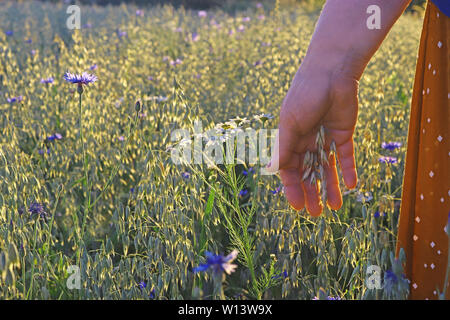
(151, 221)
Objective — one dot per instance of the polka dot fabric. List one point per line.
(426, 183)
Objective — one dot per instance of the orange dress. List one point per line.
(426, 183)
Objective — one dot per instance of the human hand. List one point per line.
(315, 99)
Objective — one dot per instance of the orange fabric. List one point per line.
(426, 183)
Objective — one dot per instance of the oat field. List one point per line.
(93, 207)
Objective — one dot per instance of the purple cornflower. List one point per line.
(261, 17)
(259, 5)
(15, 99)
(93, 67)
(243, 193)
(56, 136)
(9, 33)
(391, 145)
(186, 175)
(33, 52)
(29, 41)
(384, 159)
(121, 138)
(277, 190)
(246, 172)
(257, 63)
(246, 19)
(47, 80)
(42, 151)
(202, 13)
(176, 62)
(139, 13)
(121, 34)
(195, 37)
(87, 26)
(218, 263)
(83, 79)
(241, 28)
(37, 209)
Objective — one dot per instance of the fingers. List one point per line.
(293, 188)
(346, 159)
(313, 204)
(334, 197)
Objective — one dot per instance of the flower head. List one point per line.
(243, 193)
(186, 175)
(93, 67)
(84, 78)
(391, 145)
(15, 99)
(37, 209)
(218, 263)
(56, 136)
(9, 33)
(47, 80)
(384, 159)
(139, 13)
(202, 13)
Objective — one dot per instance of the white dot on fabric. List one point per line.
(429, 66)
(439, 252)
(442, 199)
(414, 285)
(415, 238)
(432, 244)
(428, 90)
(425, 265)
(440, 138)
(431, 174)
(417, 219)
(421, 196)
(428, 120)
(432, 266)
(439, 44)
(434, 72)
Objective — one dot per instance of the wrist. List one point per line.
(334, 61)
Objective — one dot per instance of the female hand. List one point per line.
(316, 98)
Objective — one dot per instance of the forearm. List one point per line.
(342, 41)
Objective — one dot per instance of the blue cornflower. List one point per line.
(377, 214)
(84, 78)
(47, 80)
(37, 209)
(243, 193)
(277, 190)
(195, 37)
(56, 136)
(42, 151)
(15, 99)
(218, 263)
(29, 41)
(186, 175)
(250, 170)
(93, 67)
(121, 34)
(142, 285)
(9, 33)
(384, 159)
(391, 145)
